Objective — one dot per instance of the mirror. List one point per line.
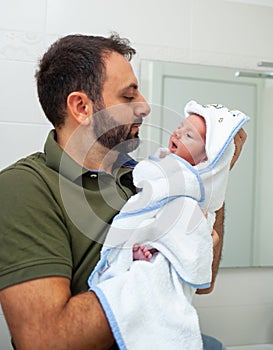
(168, 86)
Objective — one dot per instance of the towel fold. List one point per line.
(144, 308)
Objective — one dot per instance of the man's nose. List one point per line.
(142, 108)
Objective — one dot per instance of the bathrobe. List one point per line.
(149, 304)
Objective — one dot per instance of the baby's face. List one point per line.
(188, 140)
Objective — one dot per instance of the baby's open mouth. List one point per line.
(172, 147)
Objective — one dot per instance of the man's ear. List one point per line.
(80, 107)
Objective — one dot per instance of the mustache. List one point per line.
(138, 120)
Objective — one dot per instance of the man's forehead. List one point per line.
(116, 66)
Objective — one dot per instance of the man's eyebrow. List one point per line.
(131, 86)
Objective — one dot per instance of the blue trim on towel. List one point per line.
(194, 285)
(190, 168)
(197, 286)
(163, 201)
(196, 173)
(228, 141)
(111, 317)
(147, 209)
(101, 263)
(152, 207)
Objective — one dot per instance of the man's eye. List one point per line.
(129, 98)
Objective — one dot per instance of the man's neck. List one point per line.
(88, 153)
(100, 158)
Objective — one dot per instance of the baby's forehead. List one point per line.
(194, 120)
(194, 116)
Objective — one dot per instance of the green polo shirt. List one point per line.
(54, 216)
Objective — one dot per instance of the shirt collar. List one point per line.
(61, 162)
(125, 160)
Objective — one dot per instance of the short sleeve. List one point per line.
(34, 241)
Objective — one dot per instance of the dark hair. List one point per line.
(75, 63)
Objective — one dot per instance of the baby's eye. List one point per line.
(189, 136)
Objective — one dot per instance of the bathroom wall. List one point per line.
(216, 32)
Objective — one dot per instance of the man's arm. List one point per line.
(217, 249)
(41, 314)
(239, 141)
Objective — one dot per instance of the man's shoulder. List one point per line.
(34, 164)
(32, 161)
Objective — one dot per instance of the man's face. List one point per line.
(117, 126)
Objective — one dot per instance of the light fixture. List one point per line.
(254, 75)
(262, 75)
(265, 64)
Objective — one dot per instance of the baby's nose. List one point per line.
(177, 133)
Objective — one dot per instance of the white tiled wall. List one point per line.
(4, 333)
(24, 137)
(217, 32)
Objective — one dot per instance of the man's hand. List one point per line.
(239, 141)
(215, 238)
(215, 242)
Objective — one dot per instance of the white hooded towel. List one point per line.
(149, 304)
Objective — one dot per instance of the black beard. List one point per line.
(112, 135)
